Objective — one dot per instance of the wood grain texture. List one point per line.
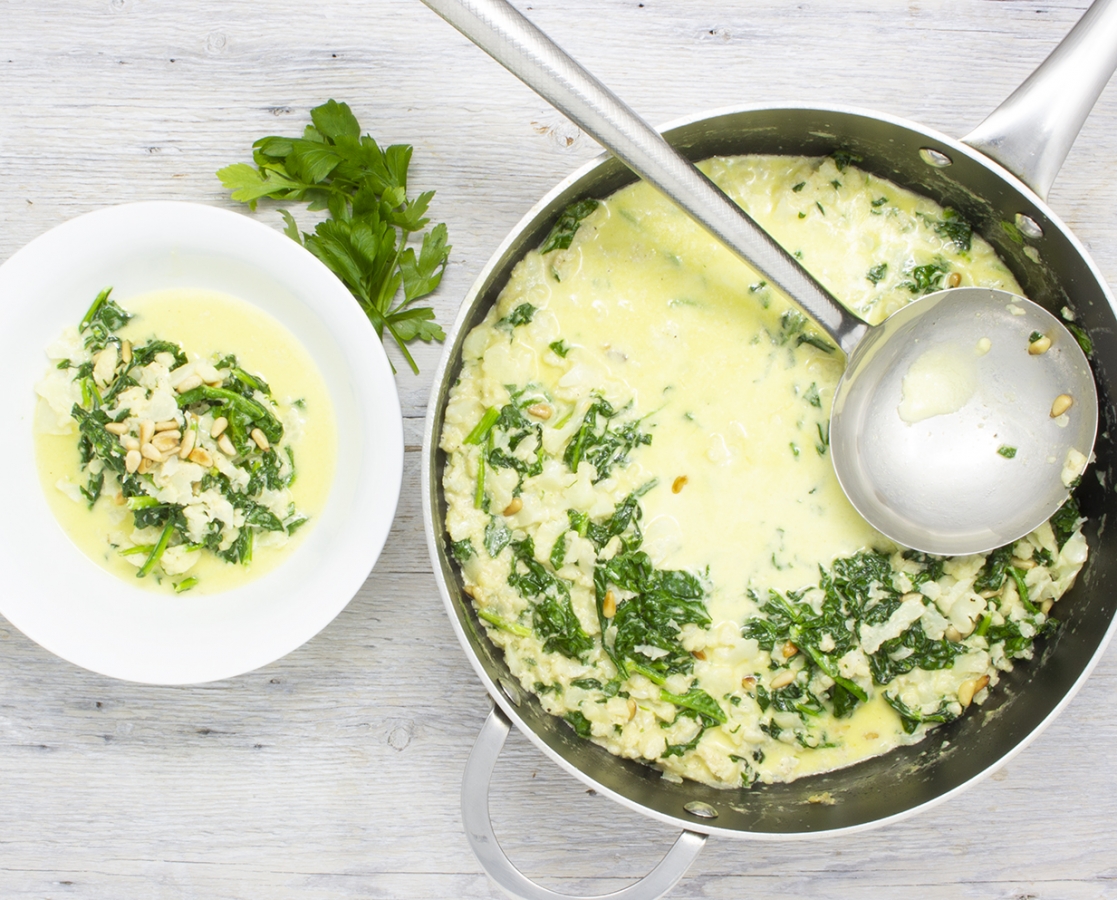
(335, 772)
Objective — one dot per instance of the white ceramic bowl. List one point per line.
(71, 606)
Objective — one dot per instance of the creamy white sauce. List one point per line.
(204, 323)
(940, 381)
(648, 313)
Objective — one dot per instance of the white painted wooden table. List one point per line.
(335, 772)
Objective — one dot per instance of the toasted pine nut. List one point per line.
(969, 687)
(147, 430)
(261, 440)
(166, 425)
(468, 591)
(678, 484)
(954, 279)
(132, 461)
(609, 605)
(514, 507)
(783, 679)
(118, 498)
(989, 595)
(226, 446)
(1045, 606)
(540, 411)
(631, 709)
(1023, 563)
(748, 682)
(1039, 346)
(146, 465)
(1062, 403)
(952, 634)
(789, 650)
(165, 440)
(201, 456)
(189, 383)
(130, 443)
(219, 426)
(126, 351)
(188, 441)
(150, 451)
(699, 654)
(117, 428)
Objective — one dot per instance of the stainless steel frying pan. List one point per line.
(997, 177)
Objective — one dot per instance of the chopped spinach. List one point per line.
(952, 227)
(876, 273)
(600, 444)
(567, 225)
(912, 719)
(927, 278)
(1065, 521)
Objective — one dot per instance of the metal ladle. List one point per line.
(946, 433)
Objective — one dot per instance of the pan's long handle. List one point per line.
(498, 29)
(482, 838)
(1031, 133)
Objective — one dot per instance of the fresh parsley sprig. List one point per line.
(371, 218)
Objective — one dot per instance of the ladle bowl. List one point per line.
(951, 431)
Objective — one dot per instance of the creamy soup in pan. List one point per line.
(187, 439)
(641, 498)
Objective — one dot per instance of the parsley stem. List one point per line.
(481, 429)
(87, 319)
(157, 550)
(504, 624)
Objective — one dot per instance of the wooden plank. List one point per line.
(335, 771)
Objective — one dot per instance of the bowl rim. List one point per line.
(130, 633)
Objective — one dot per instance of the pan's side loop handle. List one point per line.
(482, 838)
(1031, 133)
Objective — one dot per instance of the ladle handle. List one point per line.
(1031, 132)
(513, 41)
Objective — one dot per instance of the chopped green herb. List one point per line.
(521, 315)
(843, 158)
(1006, 451)
(563, 231)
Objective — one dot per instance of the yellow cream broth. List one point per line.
(205, 324)
(734, 387)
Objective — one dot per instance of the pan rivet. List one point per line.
(700, 809)
(512, 691)
(1028, 227)
(935, 158)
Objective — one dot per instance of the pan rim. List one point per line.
(432, 468)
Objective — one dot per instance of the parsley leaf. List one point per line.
(365, 239)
